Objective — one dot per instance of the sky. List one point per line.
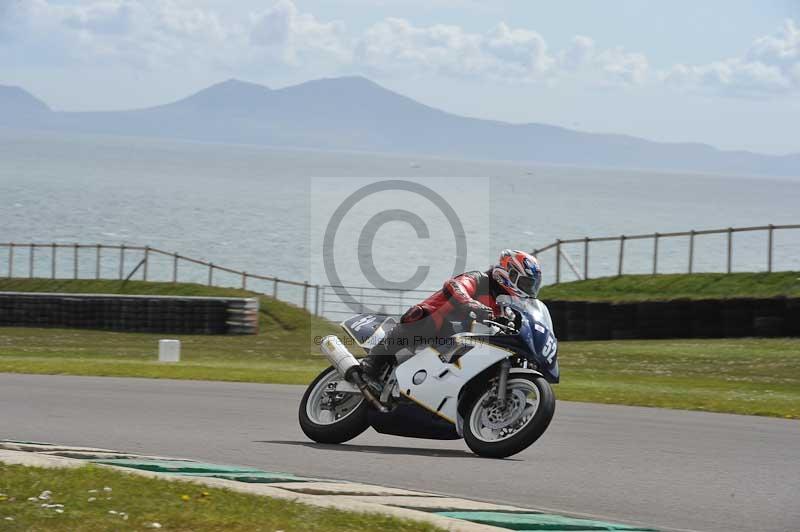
(723, 72)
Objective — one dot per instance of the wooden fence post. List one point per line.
(75, 261)
(53, 260)
(558, 261)
(10, 260)
(621, 254)
(97, 262)
(730, 248)
(30, 260)
(210, 273)
(769, 247)
(175, 258)
(655, 253)
(146, 261)
(275, 288)
(122, 262)
(244, 280)
(586, 258)
(316, 300)
(305, 295)
(691, 250)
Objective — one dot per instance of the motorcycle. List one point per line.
(489, 385)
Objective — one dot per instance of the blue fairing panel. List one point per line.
(546, 351)
(368, 329)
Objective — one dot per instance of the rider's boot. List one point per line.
(382, 354)
(373, 365)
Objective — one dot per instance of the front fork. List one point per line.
(502, 380)
(498, 397)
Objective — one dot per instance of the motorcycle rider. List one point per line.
(517, 273)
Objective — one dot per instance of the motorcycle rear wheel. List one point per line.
(529, 408)
(325, 425)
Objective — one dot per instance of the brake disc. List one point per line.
(496, 416)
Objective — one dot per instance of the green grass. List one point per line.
(87, 286)
(677, 286)
(286, 331)
(276, 317)
(176, 506)
(283, 352)
(745, 376)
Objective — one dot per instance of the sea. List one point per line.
(359, 219)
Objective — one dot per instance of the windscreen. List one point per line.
(534, 307)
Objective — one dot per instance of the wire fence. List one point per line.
(578, 258)
(661, 252)
(341, 301)
(127, 262)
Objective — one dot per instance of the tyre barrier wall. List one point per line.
(154, 314)
(680, 318)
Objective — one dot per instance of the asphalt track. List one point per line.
(672, 470)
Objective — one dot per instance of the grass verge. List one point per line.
(286, 331)
(92, 498)
(743, 376)
(677, 286)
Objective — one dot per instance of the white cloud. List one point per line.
(613, 66)
(293, 34)
(100, 17)
(179, 34)
(144, 34)
(579, 53)
(506, 54)
(167, 34)
(783, 48)
(273, 27)
(396, 46)
(624, 67)
(524, 49)
(770, 66)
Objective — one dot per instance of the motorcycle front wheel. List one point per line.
(500, 430)
(330, 416)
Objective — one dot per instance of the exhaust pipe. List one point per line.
(348, 367)
(339, 357)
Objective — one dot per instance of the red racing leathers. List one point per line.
(465, 293)
(430, 321)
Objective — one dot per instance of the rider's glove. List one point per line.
(481, 311)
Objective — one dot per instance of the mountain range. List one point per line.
(354, 113)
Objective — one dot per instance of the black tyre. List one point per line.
(495, 432)
(340, 423)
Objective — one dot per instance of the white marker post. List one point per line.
(169, 350)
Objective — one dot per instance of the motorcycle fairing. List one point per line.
(412, 421)
(438, 390)
(545, 350)
(367, 330)
(534, 339)
(535, 332)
